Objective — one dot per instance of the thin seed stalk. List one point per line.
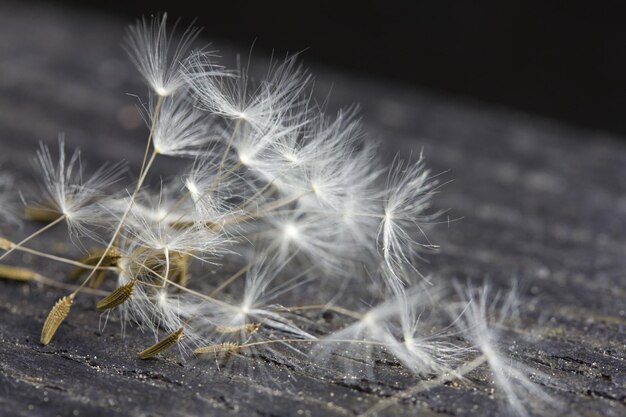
(121, 222)
(145, 167)
(15, 246)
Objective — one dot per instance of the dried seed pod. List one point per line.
(117, 296)
(98, 279)
(163, 344)
(56, 316)
(247, 328)
(220, 348)
(182, 224)
(186, 224)
(151, 265)
(181, 268)
(110, 259)
(6, 244)
(41, 214)
(17, 274)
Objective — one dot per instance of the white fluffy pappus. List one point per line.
(406, 200)
(481, 323)
(149, 46)
(382, 331)
(178, 128)
(64, 189)
(234, 96)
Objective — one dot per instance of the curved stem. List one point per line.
(121, 222)
(181, 287)
(60, 259)
(220, 176)
(155, 115)
(52, 283)
(425, 385)
(37, 233)
(166, 252)
(229, 144)
(233, 277)
(264, 210)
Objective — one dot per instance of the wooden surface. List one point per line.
(531, 200)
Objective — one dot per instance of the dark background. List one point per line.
(560, 59)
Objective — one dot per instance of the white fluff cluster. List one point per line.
(280, 209)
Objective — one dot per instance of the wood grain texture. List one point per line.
(530, 199)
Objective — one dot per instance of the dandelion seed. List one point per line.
(40, 214)
(179, 129)
(480, 324)
(221, 348)
(111, 258)
(117, 297)
(164, 344)
(17, 273)
(65, 192)
(6, 244)
(422, 349)
(56, 316)
(407, 197)
(242, 328)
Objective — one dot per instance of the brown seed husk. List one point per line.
(98, 279)
(151, 265)
(226, 348)
(41, 214)
(182, 270)
(56, 316)
(110, 259)
(5, 244)
(163, 344)
(247, 327)
(187, 224)
(16, 273)
(117, 296)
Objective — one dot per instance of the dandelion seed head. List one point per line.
(66, 191)
(179, 129)
(149, 46)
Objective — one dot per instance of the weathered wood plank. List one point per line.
(532, 200)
